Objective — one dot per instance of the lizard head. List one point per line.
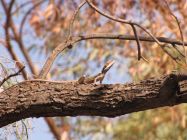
(107, 66)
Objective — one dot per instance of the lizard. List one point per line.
(99, 77)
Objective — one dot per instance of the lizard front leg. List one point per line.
(99, 78)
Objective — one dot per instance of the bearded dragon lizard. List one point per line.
(97, 78)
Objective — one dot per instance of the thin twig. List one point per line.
(178, 23)
(137, 41)
(21, 6)
(7, 35)
(68, 43)
(26, 131)
(128, 37)
(121, 20)
(49, 121)
(73, 19)
(27, 14)
(11, 75)
(19, 40)
(175, 58)
(174, 46)
(75, 39)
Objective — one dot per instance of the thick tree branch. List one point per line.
(42, 98)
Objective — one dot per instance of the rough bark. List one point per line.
(40, 98)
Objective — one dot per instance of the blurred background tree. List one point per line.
(37, 27)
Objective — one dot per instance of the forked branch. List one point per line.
(76, 39)
(180, 30)
(72, 40)
(122, 21)
(11, 75)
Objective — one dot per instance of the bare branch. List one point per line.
(54, 129)
(73, 19)
(8, 43)
(21, 6)
(127, 22)
(64, 45)
(137, 41)
(11, 75)
(18, 38)
(178, 50)
(27, 14)
(122, 21)
(68, 43)
(178, 23)
(128, 37)
(43, 73)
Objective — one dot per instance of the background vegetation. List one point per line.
(37, 27)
